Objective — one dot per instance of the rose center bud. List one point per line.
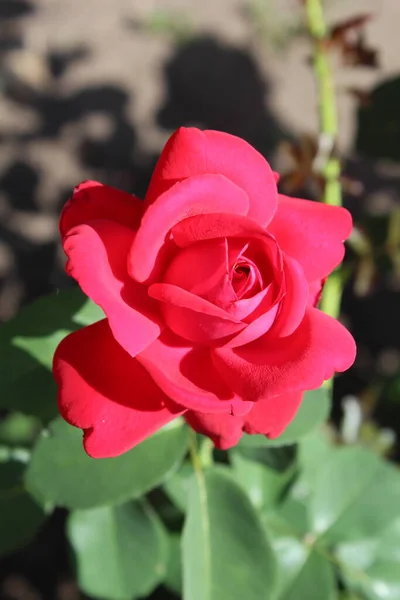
(213, 289)
(245, 279)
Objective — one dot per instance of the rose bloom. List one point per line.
(209, 289)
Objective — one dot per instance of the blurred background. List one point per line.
(92, 89)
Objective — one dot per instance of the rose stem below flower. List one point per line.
(201, 456)
(326, 162)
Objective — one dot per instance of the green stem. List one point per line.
(326, 162)
(206, 452)
(202, 456)
(194, 455)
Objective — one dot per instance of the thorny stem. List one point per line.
(326, 162)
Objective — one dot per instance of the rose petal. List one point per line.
(92, 200)
(193, 317)
(225, 430)
(293, 304)
(254, 244)
(302, 361)
(97, 260)
(107, 393)
(248, 309)
(186, 374)
(312, 233)
(203, 270)
(315, 291)
(196, 195)
(266, 417)
(212, 226)
(193, 152)
(271, 417)
(255, 329)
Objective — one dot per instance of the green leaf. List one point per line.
(380, 582)
(17, 429)
(313, 452)
(20, 517)
(386, 581)
(27, 345)
(279, 458)
(226, 554)
(46, 320)
(388, 542)
(41, 348)
(294, 514)
(303, 573)
(121, 551)
(264, 486)
(359, 555)
(33, 393)
(88, 314)
(313, 411)
(371, 566)
(356, 495)
(173, 578)
(177, 486)
(60, 472)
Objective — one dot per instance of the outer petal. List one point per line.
(312, 233)
(92, 200)
(197, 195)
(97, 254)
(302, 361)
(271, 417)
(225, 430)
(267, 417)
(315, 289)
(187, 375)
(193, 152)
(107, 393)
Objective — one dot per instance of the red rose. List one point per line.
(208, 287)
